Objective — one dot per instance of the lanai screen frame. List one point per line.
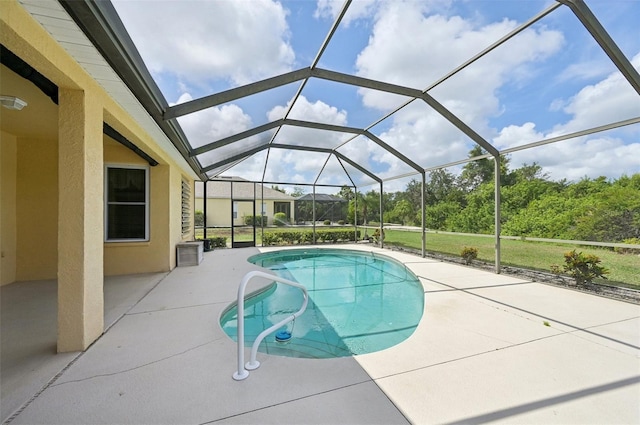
(102, 25)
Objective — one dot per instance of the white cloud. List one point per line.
(411, 49)
(602, 154)
(209, 125)
(330, 9)
(610, 100)
(197, 41)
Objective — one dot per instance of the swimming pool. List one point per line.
(359, 302)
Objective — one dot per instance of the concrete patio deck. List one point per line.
(489, 348)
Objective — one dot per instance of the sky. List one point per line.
(550, 80)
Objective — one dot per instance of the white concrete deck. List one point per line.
(482, 353)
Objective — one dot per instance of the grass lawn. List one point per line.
(623, 268)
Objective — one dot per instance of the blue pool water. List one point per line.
(358, 303)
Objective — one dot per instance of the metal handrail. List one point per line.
(243, 370)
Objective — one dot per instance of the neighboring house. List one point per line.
(90, 186)
(234, 199)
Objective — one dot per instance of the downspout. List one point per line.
(497, 212)
(424, 233)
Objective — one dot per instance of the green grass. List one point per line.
(623, 268)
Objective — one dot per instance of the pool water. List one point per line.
(358, 303)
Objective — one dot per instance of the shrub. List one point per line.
(217, 242)
(341, 222)
(326, 222)
(469, 254)
(292, 237)
(280, 219)
(582, 267)
(255, 220)
(376, 236)
(632, 241)
(270, 238)
(198, 218)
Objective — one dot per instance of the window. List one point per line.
(186, 208)
(264, 208)
(235, 210)
(127, 203)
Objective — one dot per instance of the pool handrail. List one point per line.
(243, 370)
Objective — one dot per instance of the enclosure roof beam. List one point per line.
(235, 137)
(235, 93)
(353, 130)
(409, 92)
(458, 123)
(329, 151)
(597, 31)
(357, 166)
(240, 156)
(393, 151)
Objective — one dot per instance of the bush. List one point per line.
(376, 236)
(291, 237)
(582, 267)
(326, 222)
(280, 219)
(217, 242)
(255, 220)
(632, 241)
(270, 238)
(198, 218)
(469, 254)
(341, 222)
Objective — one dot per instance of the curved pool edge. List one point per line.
(391, 254)
(356, 249)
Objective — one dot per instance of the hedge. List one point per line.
(254, 220)
(298, 237)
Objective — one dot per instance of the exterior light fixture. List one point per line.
(12, 102)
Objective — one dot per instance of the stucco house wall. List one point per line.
(52, 168)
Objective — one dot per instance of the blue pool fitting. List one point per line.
(283, 336)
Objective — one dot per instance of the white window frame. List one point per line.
(146, 202)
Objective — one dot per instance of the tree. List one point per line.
(476, 172)
(297, 192)
(279, 189)
(403, 211)
(481, 171)
(441, 186)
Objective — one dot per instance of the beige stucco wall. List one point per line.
(8, 234)
(25, 37)
(58, 188)
(37, 210)
(158, 254)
